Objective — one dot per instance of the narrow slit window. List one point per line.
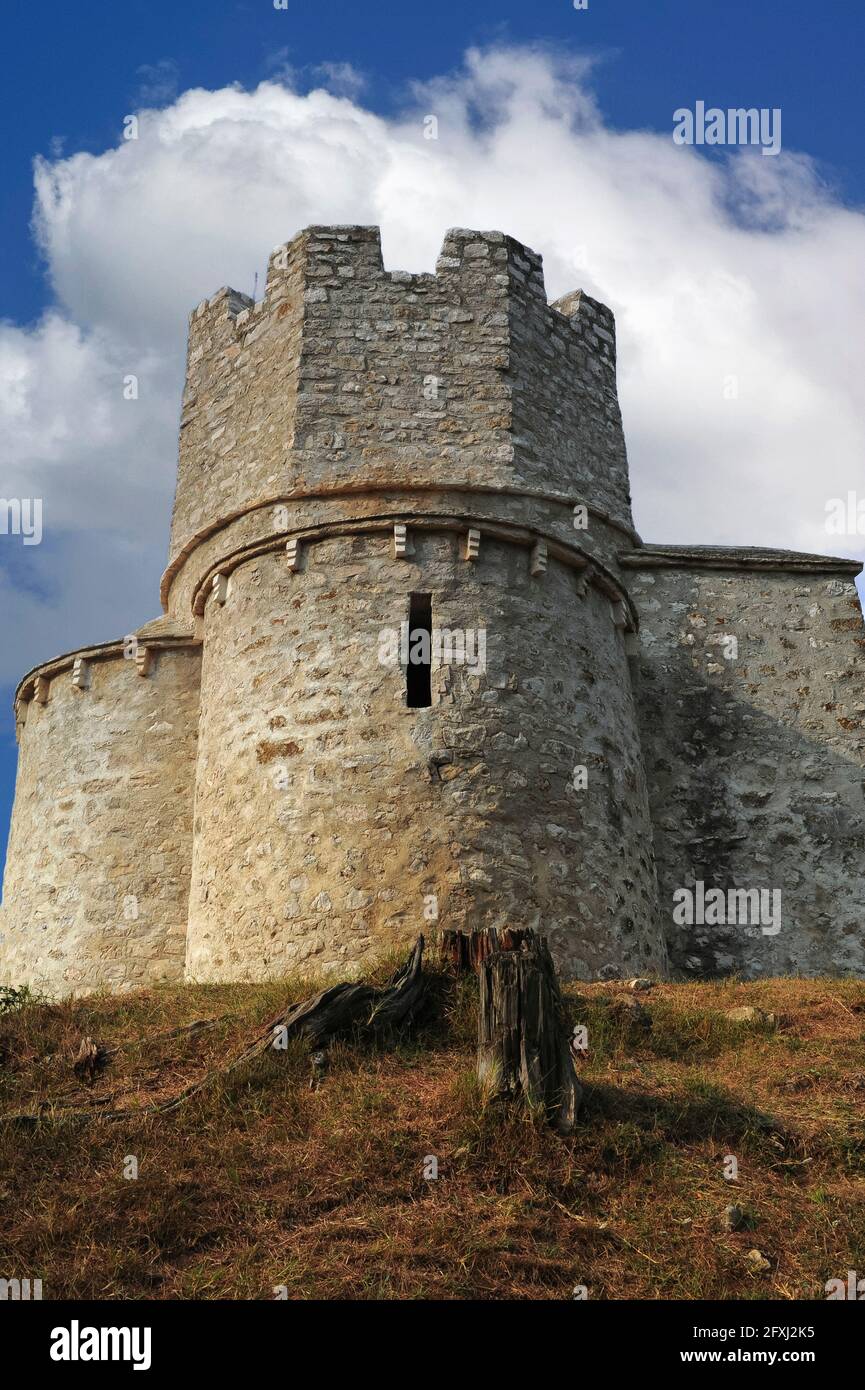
(418, 689)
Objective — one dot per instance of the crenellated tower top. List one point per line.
(349, 379)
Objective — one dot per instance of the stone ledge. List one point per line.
(736, 558)
(471, 530)
(104, 651)
(369, 489)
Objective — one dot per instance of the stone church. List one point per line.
(416, 668)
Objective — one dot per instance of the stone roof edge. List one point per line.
(103, 651)
(736, 557)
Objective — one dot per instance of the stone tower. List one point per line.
(401, 678)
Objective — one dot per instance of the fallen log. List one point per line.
(523, 1049)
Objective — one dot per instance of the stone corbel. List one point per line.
(539, 559)
(621, 616)
(472, 546)
(219, 588)
(293, 554)
(81, 673)
(401, 546)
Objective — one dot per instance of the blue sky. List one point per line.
(78, 70)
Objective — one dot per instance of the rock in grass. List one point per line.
(757, 1262)
(631, 1011)
(748, 1013)
(734, 1217)
(640, 983)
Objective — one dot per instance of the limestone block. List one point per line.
(144, 660)
(81, 674)
(472, 544)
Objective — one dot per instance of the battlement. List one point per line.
(346, 374)
(320, 260)
(226, 303)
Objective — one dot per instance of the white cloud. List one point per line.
(72, 426)
(742, 267)
(102, 467)
(158, 82)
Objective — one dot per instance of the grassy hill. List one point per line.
(259, 1182)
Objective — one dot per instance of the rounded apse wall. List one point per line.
(332, 820)
(96, 884)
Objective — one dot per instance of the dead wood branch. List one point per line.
(341, 1010)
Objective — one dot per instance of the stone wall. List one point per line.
(756, 764)
(97, 872)
(349, 400)
(329, 815)
(360, 436)
(349, 378)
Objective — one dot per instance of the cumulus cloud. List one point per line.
(736, 282)
(89, 429)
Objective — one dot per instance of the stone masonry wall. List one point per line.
(97, 871)
(756, 765)
(327, 812)
(304, 815)
(347, 376)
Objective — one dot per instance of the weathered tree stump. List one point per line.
(91, 1060)
(466, 950)
(523, 1050)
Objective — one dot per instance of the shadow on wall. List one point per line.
(743, 800)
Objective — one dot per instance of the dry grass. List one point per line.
(259, 1182)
